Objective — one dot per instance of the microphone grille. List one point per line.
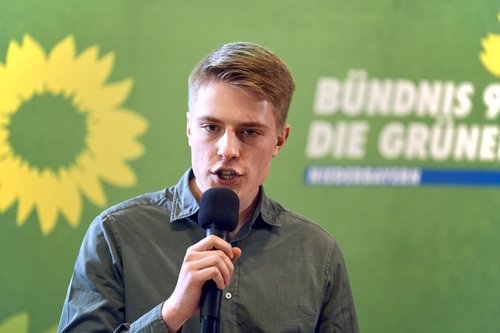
(219, 206)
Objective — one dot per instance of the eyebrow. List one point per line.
(245, 124)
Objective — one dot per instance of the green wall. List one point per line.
(92, 112)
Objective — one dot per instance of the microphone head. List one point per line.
(219, 206)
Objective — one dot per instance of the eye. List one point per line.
(249, 132)
(210, 127)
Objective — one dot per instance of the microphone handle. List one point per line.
(210, 308)
(211, 296)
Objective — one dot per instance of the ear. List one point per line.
(188, 127)
(282, 136)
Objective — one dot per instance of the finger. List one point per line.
(216, 259)
(213, 242)
(236, 254)
(194, 261)
(214, 274)
(195, 256)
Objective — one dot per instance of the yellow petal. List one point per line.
(60, 65)
(89, 73)
(26, 70)
(24, 208)
(9, 173)
(104, 66)
(116, 172)
(102, 99)
(46, 206)
(119, 131)
(69, 198)
(25, 183)
(491, 55)
(17, 323)
(88, 58)
(52, 329)
(97, 70)
(5, 147)
(86, 176)
(16, 182)
(4, 119)
(8, 101)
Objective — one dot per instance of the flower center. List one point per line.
(48, 131)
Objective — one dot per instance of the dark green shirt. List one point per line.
(291, 276)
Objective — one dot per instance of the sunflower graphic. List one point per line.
(19, 323)
(62, 131)
(490, 57)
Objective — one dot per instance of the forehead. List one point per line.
(225, 101)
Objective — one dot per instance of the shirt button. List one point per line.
(228, 295)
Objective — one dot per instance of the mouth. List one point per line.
(226, 174)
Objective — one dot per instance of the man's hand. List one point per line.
(211, 258)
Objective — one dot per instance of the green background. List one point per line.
(421, 259)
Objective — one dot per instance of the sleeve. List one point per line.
(95, 297)
(338, 314)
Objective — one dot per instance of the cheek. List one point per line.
(264, 161)
(195, 149)
(200, 153)
(197, 144)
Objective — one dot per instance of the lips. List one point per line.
(226, 174)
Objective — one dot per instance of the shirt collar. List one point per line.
(266, 210)
(184, 203)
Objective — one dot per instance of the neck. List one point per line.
(244, 215)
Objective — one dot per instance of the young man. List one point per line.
(143, 263)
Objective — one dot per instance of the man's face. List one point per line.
(233, 138)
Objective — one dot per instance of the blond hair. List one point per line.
(250, 67)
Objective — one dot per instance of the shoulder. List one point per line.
(294, 218)
(301, 226)
(147, 201)
(132, 221)
(312, 239)
(148, 208)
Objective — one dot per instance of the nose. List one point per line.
(228, 146)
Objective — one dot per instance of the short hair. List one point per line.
(248, 66)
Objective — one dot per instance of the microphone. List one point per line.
(218, 215)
